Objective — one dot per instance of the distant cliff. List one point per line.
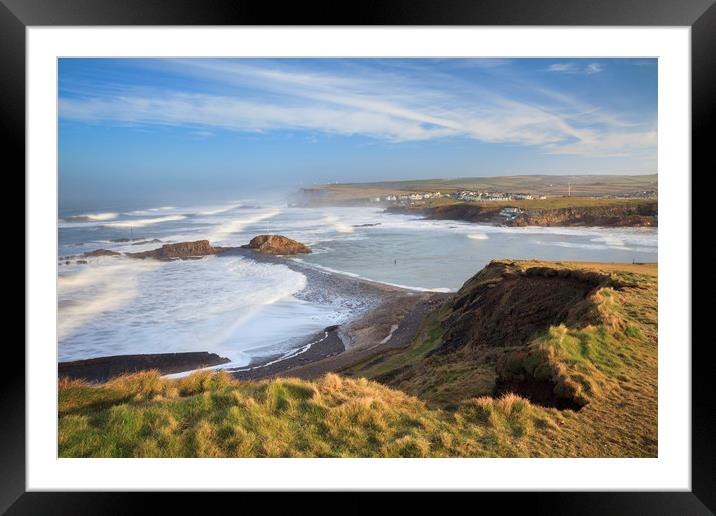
(636, 213)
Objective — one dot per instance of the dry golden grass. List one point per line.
(204, 415)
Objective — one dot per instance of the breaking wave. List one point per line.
(144, 222)
(92, 217)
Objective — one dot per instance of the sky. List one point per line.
(171, 128)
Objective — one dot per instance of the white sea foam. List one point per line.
(91, 217)
(138, 223)
(151, 211)
(216, 211)
(477, 236)
(218, 304)
(95, 289)
(223, 231)
(353, 275)
(339, 225)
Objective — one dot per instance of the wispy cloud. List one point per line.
(387, 104)
(576, 68)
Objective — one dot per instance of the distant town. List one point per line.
(414, 198)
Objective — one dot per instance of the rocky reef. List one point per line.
(276, 245)
(180, 250)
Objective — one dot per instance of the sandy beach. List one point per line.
(390, 319)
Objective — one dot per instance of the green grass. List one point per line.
(581, 186)
(604, 354)
(207, 415)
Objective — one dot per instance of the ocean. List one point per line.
(245, 310)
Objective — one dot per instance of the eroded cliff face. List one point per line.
(503, 307)
(276, 245)
(609, 216)
(466, 212)
(507, 310)
(543, 330)
(617, 215)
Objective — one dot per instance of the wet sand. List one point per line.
(391, 325)
(322, 345)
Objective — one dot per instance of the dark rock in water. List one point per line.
(81, 261)
(67, 262)
(121, 240)
(366, 225)
(276, 244)
(104, 368)
(181, 250)
(100, 252)
(142, 242)
(332, 328)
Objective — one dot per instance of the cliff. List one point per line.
(558, 334)
(605, 214)
(638, 214)
(276, 245)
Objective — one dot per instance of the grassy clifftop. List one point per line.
(214, 416)
(581, 333)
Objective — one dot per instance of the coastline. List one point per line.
(101, 369)
(389, 320)
(633, 214)
(379, 308)
(380, 316)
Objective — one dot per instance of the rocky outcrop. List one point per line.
(103, 368)
(466, 212)
(276, 245)
(181, 250)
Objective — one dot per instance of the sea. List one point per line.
(245, 310)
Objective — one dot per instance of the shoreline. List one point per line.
(380, 316)
(639, 214)
(318, 347)
(322, 286)
(101, 369)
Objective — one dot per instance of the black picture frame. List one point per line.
(700, 15)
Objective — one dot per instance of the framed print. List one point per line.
(422, 248)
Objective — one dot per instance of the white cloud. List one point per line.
(576, 68)
(563, 67)
(387, 105)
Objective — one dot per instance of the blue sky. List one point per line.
(220, 127)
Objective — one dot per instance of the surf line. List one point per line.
(286, 357)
